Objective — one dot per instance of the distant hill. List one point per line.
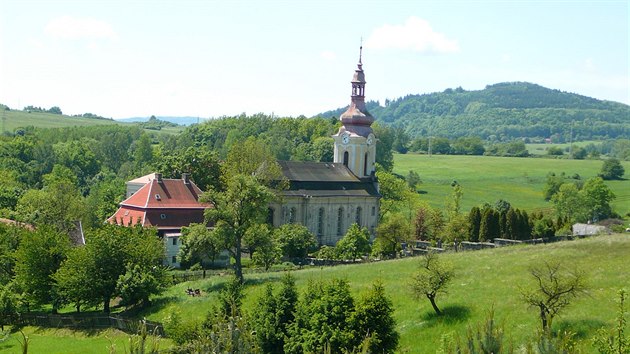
(503, 111)
(176, 120)
(10, 120)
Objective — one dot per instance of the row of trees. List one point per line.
(325, 318)
(43, 267)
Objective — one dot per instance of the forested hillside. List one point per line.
(504, 111)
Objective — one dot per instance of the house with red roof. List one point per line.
(164, 203)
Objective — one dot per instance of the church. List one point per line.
(328, 197)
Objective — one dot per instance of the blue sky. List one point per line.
(212, 58)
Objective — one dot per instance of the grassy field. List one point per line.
(484, 280)
(520, 181)
(66, 341)
(11, 120)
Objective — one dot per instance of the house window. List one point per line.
(174, 259)
(346, 157)
(320, 222)
(358, 217)
(162, 216)
(292, 213)
(365, 165)
(373, 211)
(174, 241)
(339, 221)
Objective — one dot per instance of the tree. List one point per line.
(241, 206)
(489, 227)
(263, 247)
(597, 197)
(58, 204)
(37, 258)
(552, 185)
(554, 289)
(140, 282)
(295, 240)
(395, 193)
(432, 278)
(354, 244)
(453, 203)
(570, 203)
(390, 234)
(474, 224)
(384, 155)
(143, 150)
(8, 305)
(198, 243)
(413, 179)
(322, 319)
(612, 169)
(200, 161)
(373, 320)
(109, 253)
(273, 314)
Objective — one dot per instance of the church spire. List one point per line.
(357, 114)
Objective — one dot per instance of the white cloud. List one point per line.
(328, 55)
(67, 27)
(415, 34)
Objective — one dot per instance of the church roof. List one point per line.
(325, 179)
(317, 171)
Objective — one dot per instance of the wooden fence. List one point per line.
(89, 322)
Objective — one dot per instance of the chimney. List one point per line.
(158, 177)
(186, 178)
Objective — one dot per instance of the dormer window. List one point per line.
(158, 197)
(162, 216)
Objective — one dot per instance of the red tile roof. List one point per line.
(165, 204)
(167, 193)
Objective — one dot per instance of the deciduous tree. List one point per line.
(354, 244)
(432, 278)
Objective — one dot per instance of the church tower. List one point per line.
(355, 143)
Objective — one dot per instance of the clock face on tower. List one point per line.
(345, 138)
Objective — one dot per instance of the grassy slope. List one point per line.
(488, 179)
(485, 279)
(18, 119)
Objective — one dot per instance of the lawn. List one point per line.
(66, 341)
(484, 179)
(484, 280)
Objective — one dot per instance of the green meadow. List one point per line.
(484, 280)
(541, 148)
(486, 179)
(12, 120)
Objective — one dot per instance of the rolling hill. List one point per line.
(504, 111)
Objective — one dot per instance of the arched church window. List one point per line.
(365, 164)
(340, 222)
(292, 215)
(346, 157)
(320, 222)
(270, 214)
(358, 217)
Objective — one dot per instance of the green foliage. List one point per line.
(201, 162)
(231, 298)
(432, 278)
(474, 224)
(8, 305)
(614, 341)
(489, 228)
(111, 252)
(197, 242)
(180, 331)
(390, 234)
(264, 249)
(295, 240)
(396, 194)
(555, 151)
(322, 318)
(373, 319)
(273, 315)
(413, 179)
(140, 282)
(9, 240)
(612, 169)
(37, 258)
(554, 288)
(223, 334)
(354, 244)
(242, 206)
(597, 198)
(384, 147)
(507, 110)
